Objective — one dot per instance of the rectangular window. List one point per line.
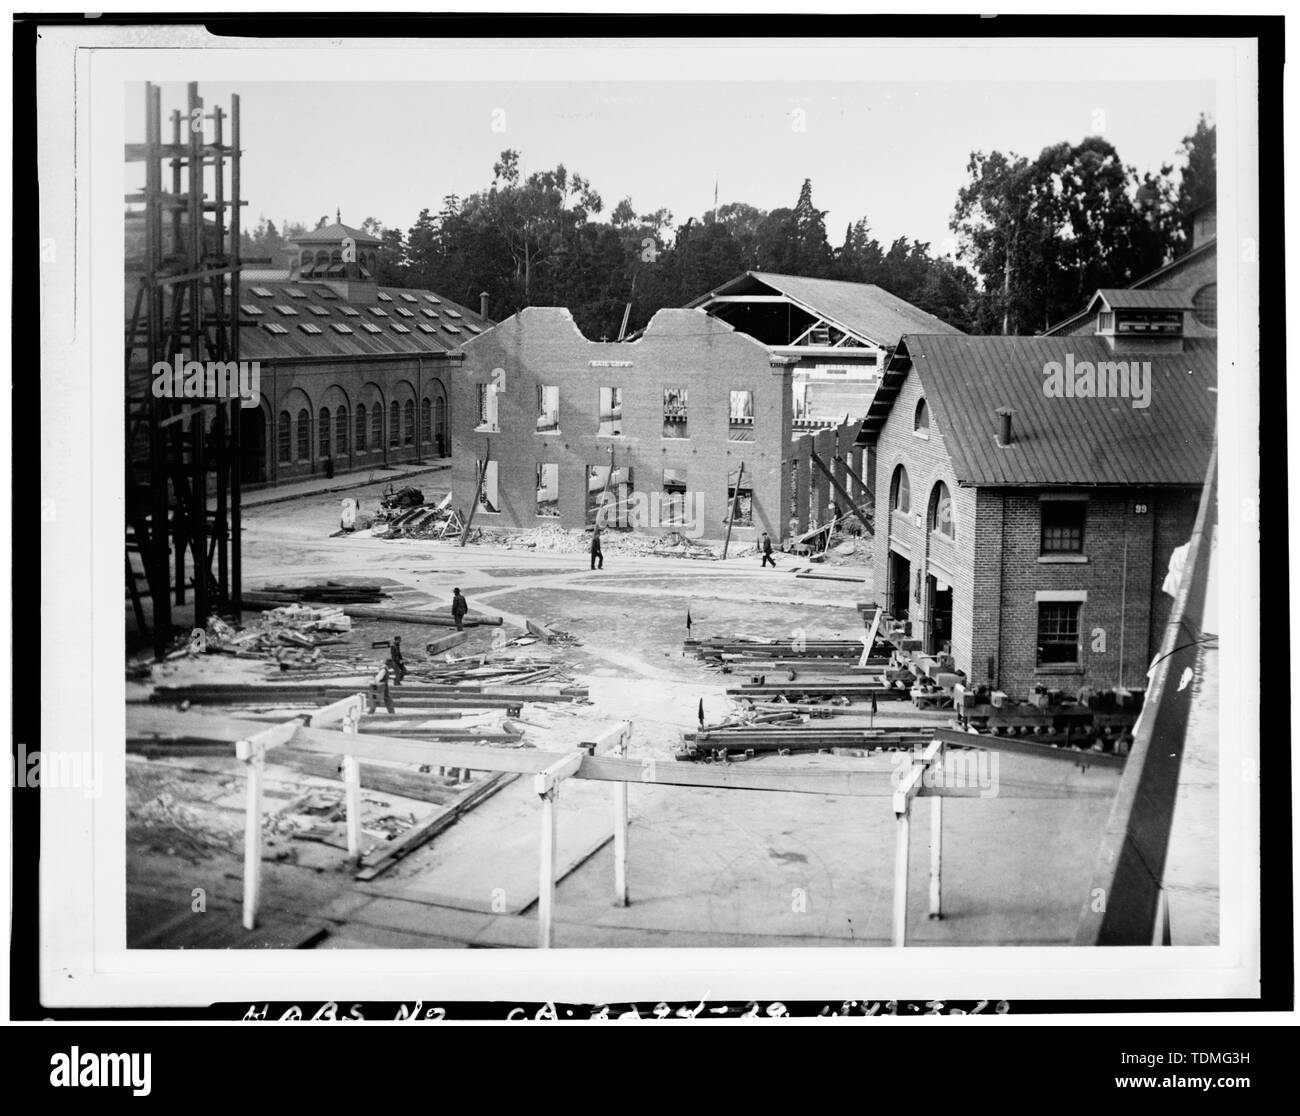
(740, 502)
(488, 500)
(548, 489)
(487, 408)
(1062, 526)
(1058, 633)
(672, 512)
(609, 495)
(548, 409)
(611, 412)
(675, 413)
(740, 427)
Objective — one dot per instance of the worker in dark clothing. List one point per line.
(596, 555)
(395, 656)
(767, 551)
(458, 609)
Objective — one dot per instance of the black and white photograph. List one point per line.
(636, 502)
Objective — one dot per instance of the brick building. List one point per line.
(352, 375)
(1028, 527)
(663, 433)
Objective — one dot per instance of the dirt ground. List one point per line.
(706, 867)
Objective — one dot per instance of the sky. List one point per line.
(895, 153)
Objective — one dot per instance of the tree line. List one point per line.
(1033, 237)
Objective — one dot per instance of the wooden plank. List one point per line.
(431, 827)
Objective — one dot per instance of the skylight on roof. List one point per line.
(309, 327)
(404, 311)
(287, 311)
(408, 297)
(434, 299)
(427, 327)
(294, 292)
(428, 313)
(385, 297)
(341, 327)
(450, 328)
(274, 327)
(450, 313)
(351, 311)
(319, 311)
(472, 327)
(325, 292)
(263, 292)
(378, 311)
(370, 327)
(249, 308)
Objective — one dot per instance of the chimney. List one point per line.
(1004, 428)
(483, 304)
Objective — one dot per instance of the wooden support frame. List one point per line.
(547, 785)
(911, 786)
(478, 491)
(835, 484)
(252, 750)
(731, 511)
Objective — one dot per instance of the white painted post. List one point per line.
(547, 785)
(903, 840)
(546, 870)
(352, 790)
(936, 845)
(254, 759)
(620, 835)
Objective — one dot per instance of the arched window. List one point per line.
(284, 438)
(900, 495)
(409, 412)
(439, 416)
(341, 431)
(377, 427)
(1205, 306)
(394, 424)
(939, 518)
(304, 435)
(921, 421)
(324, 433)
(426, 421)
(361, 428)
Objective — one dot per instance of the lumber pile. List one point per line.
(800, 669)
(743, 740)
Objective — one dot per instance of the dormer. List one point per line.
(1140, 320)
(342, 257)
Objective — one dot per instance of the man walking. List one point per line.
(596, 555)
(767, 552)
(458, 609)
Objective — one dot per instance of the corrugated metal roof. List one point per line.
(1126, 298)
(864, 309)
(1058, 441)
(321, 306)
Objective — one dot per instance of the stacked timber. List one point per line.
(799, 669)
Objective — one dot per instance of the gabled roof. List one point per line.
(863, 309)
(317, 304)
(1162, 272)
(1057, 441)
(1126, 298)
(334, 234)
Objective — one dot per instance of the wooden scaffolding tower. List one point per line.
(183, 455)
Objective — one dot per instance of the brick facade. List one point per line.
(996, 568)
(543, 347)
